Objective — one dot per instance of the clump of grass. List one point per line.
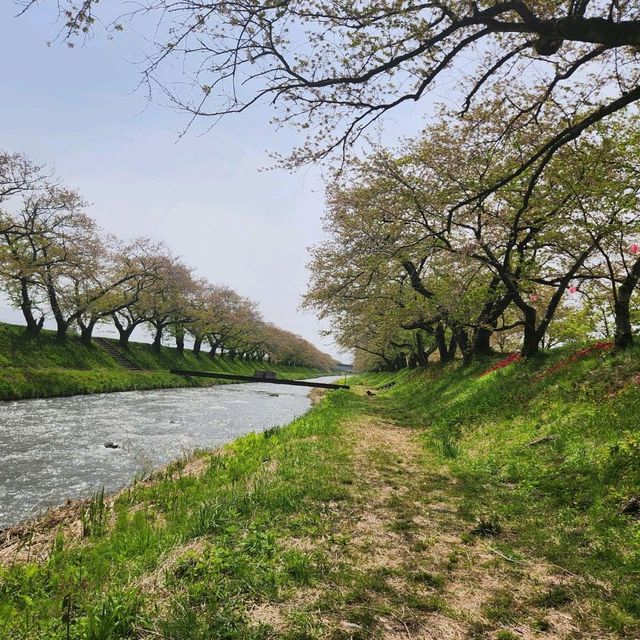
(298, 565)
(403, 524)
(541, 624)
(554, 598)
(449, 446)
(433, 580)
(94, 516)
(115, 617)
(500, 608)
(487, 527)
(272, 431)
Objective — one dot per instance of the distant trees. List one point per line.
(55, 261)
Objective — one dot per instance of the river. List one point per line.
(53, 449)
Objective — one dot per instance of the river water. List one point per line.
(54, 449)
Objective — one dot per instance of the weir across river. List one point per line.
(258, 378)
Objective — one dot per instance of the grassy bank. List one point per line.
(449, 505)
(546, 456)
(185, 553)
(43, 367)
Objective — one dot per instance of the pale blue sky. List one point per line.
(205, 195)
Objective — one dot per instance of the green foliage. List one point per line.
(114, 617)
(94, 516)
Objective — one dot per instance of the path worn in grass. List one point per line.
(407, 565)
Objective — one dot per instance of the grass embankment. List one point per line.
(450, 505)
(545, 455)
(43, 367)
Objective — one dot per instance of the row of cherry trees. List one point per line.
(56, 261)
(413, 268)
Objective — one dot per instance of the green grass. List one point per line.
(544, 462)
(206, 547)
(42, 366)
(186, 557)
(20, 351)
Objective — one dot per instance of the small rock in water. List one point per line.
(111, 445)
(172, 421)
(274, 395)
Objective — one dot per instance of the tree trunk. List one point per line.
(33, 326)
(624, 332)
(61, 323)
(197, 346)
(441, 341)
(61, 329)
(488, 319)
(86, 333)
(124, 333)
(123, 340)
(482, 342)
(467, 349)
(453, 347)
(180, 342)
(532, 337)
(157, 339)
(421, 358)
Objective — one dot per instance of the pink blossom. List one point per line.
(572, 288)
(533, 297)
(634, 248)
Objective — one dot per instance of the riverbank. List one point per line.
(449, 505)
(42, 367)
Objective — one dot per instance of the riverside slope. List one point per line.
(44, 367)
(433, 509)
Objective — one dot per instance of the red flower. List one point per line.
(598, 346)
(505, 362)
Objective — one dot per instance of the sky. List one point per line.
(208, 196)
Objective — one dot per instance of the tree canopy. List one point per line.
(400, 273)
(333, 68)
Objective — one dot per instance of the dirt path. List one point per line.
(412, 567)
